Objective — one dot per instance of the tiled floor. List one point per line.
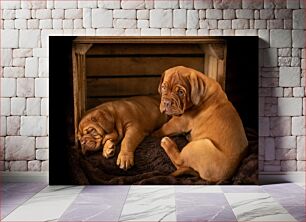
(39, 202)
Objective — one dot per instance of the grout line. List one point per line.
(127, 193)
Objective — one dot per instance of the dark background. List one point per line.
(241, 88)
(61, 108)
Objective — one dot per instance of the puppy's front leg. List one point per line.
(176, 125)
(110, 141)
(133, 137)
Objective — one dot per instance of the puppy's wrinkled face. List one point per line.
(90, 139)
(181, 88)
(174, 91)
(92, 129)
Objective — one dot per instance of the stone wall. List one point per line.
(26, 25)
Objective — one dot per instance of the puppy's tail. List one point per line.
(185, 171)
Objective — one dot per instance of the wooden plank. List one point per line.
(102, 87)
(149, 39)
(215, 50)
(95, 101)
(213, 67)
(145, 49)
(206, 65)
(118, 66)
(79, 85)
(221, 73)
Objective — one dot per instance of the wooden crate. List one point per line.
(108, 68)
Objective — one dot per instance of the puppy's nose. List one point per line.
(167, 103)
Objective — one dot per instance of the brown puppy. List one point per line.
(199, 106)
(130, 119)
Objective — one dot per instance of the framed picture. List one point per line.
(86, 72)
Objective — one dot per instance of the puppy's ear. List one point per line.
(79, 135)
(197, 88)
(161, 82)
(105, 120)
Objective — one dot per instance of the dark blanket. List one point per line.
(152, 166)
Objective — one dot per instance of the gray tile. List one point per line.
(15, 194)
(97, 203)
(242, 189)
(206, 213)
(89, 212)
(203, 207)
(205, 199)
(298, 212)
(106, 189)
(92, 198)
(22, 187)
(15, 198)
(198, 189)
(6, 210)
(283, 188)
(289, 199)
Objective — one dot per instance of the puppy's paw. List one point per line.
(109, 149)
(125, 160)
(167, 143)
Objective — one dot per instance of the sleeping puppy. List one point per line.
(200, 108)
(129, 120)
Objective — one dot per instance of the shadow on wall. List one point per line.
(280, 108)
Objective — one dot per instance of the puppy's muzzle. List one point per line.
(88, 146)
(167, 103)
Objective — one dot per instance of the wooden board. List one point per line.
(149, 39)
(110, 87)
(95, 101)
(144, 65)
(214, 68)
(145, 49)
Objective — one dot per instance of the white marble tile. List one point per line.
(149, 203)
(198, 189)
(47, 205)
(257, 207)
(301, 185)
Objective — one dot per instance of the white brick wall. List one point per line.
(33, 126)
(19, 148)
(109, 4)
(33, 106)
(160, 18)
(26, 26)
(29, 38)
(25, 87)
(9, 38)
(179, 18)
(8, 87)
(18, 106)
(13, 125)
(102, 18)
(290, 106)
(289, 76)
